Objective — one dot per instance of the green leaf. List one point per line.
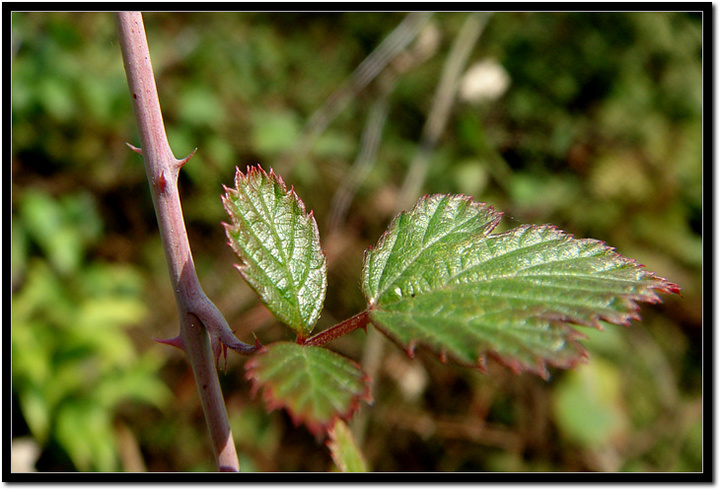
(437, 277)
(279, 245)
(36, 412)
(85, 431)
(61, 227)
(47, 225)
(138, 383)
(344, 450)
(314, 384)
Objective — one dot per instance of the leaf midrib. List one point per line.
(420, 250)
(293, 302)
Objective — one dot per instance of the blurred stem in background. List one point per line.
(435, 123)
(366, 72)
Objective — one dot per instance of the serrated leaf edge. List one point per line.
(539, 367)
(240, 180)
(317, 428)
(579, 354)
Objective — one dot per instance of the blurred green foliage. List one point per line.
(73, 362)
(599, 132)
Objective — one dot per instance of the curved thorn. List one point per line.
(216, 347)
(219, 350)
(134, 148)
(182, 162)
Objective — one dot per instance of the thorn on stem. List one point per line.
(182, 162)
(258, 345)
(135, 149)
(175, 342)
(218, 351)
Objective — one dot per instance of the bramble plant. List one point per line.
(438, 278)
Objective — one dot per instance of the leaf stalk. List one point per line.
(346, 326)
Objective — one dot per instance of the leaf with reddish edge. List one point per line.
(315, 385)
(438, 278)
(279, 245)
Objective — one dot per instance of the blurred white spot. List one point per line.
(484, 81)
(410, 376)
(427, 42)
(24, 455)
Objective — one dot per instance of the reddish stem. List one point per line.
(204, 332)
(358, 321)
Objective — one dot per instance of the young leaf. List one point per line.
(437, 277)
(316, 386)
(344, 451)
(279, 246)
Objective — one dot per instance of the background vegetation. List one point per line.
(598, 132)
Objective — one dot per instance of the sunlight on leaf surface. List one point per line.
(438, 278)
(279, 245)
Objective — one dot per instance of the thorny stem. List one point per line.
(204, 332)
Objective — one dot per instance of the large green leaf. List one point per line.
(437, 277)
(316, 386)
(279, 245)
